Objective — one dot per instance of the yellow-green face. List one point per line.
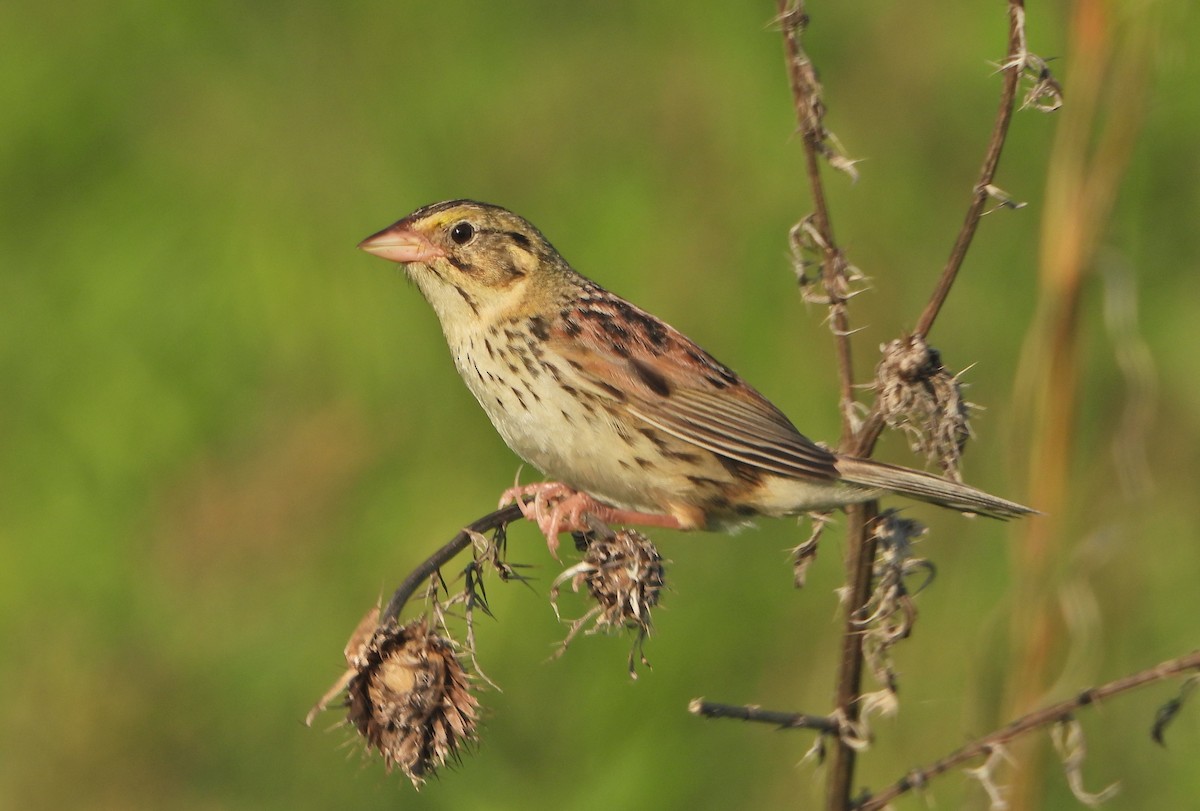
(471, 261)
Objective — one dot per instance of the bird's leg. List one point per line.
(557, 508)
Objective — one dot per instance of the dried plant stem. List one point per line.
(749, 712)
(418, 576)
(1110, 56)
(806, 98)
(1013, 66)
(860, 441)
(860, 560)
(864, 443)
(860, 544)
(1039, 719)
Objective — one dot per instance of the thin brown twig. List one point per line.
(1013, 67)
(872, 427)
(806, 99)
(860, 544)
(1027, 723)
(860, 562)
(750, 712)
(405, 591)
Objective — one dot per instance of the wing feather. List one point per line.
(661, 378)
(739, 430)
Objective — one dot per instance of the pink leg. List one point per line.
(557, 508)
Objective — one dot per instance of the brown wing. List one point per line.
(663, 379)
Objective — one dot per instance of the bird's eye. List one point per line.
(462, 233)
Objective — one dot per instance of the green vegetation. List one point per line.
(224, 432)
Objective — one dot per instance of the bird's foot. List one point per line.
(542, 504)
(557, 508)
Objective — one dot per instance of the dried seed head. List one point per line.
(410, 698)
(624, 575)
(919, 396)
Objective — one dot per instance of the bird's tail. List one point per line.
(927, 487)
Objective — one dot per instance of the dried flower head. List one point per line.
(919, 396)
(623, 574)
(410, 697)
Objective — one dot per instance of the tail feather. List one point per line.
(923, 486)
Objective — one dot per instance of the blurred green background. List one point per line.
(224, 432)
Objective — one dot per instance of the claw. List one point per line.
(557, 508)
(554, 507)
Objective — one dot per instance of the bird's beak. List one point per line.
(399, 243)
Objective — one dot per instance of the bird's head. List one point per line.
(473, 262)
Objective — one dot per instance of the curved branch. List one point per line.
(1027, 723)
(498, 518)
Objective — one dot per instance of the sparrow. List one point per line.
(630, 419)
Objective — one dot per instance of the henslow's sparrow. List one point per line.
(633, 421)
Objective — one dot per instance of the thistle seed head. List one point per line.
(624, 575)
(918, 395)
(410, 698)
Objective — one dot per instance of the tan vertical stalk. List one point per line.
(1106, 63)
